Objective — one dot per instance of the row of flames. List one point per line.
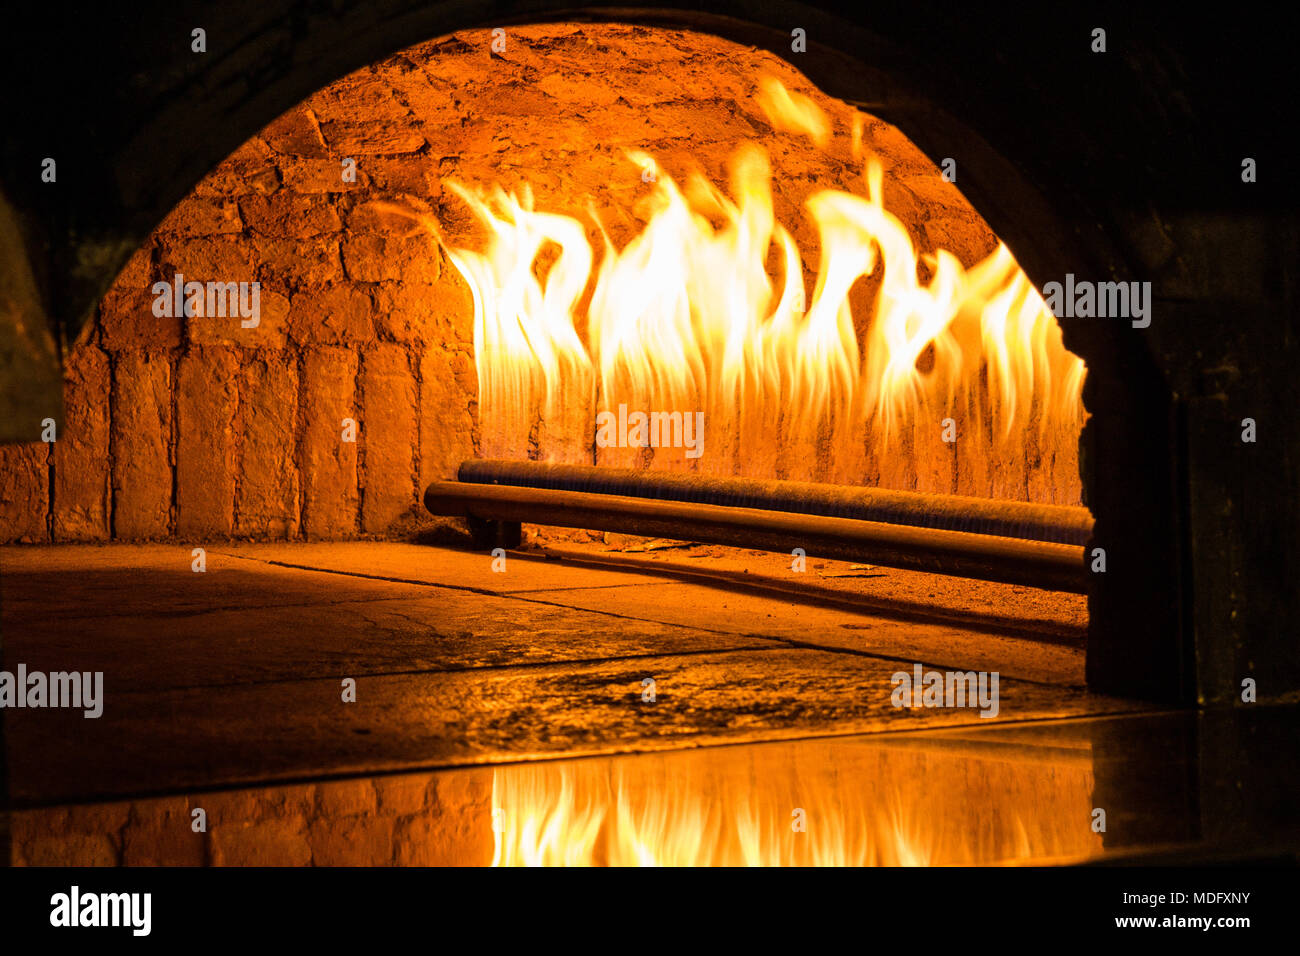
(687, 316)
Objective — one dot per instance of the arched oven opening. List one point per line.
(678, 358)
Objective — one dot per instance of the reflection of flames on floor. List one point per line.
(873, 804)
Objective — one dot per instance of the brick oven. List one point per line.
(304, 406)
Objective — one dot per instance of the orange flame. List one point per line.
(687, 317)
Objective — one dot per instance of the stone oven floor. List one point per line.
(235, 675)
(232, 679)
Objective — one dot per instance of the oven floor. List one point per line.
(234, 678)
(235, 675)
